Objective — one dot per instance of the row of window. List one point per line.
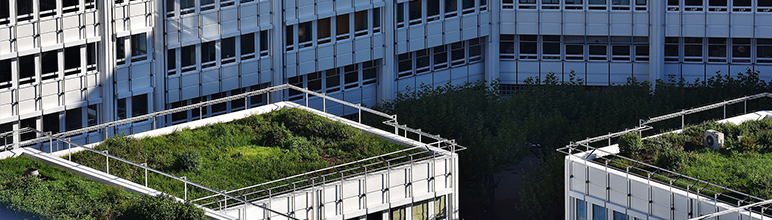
(189, 6)
(319, 32)
(134, 106)
(420, 11)
(230, 50)
(137, 52)
(720, 5)
(47, 8)
(336, 79)
(440, 57)
(217, 109)
(585, 210)
(573, 48)
(639, 5)
(56, 122)
(48, 65)
(718, 50)
(420, 210)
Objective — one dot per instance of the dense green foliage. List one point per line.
(743, 164)
(550, 112)
(65, 195)
(240, 153)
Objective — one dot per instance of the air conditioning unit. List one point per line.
(714, 139)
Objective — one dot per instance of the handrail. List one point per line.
(705, 108)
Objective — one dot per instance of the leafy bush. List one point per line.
(630, 145)
(671, 158)
(161, 207)
(188, 161)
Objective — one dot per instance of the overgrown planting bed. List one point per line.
(244, 152)
(743, 164)
(60, 194)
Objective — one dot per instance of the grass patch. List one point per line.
(240, 153)
(64, 195)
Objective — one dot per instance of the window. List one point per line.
(91, 56)
(258, 99)
(421, 211)
(598, 48)
(323, 30)
(671, 49)
(619, 216)
(120, 50)
(574, 4)
(6, 128)
(507, 46)
(715, 5)
(527, 4)
(764, 6)
(507, 4)
(467, 6)
(5, 74)
(376, 20)
(550, 4)
(528, 47)
(264, 42)
(640, 5)
(206, 4)
(333, 80)
(24, 9)
(641, 45)
(138, 47)
(247, 46)
(351, 76)
(51, 123)
(199, 112)
(716, 49)
(550, 47)
(305, 35)
(121, 108)
(673, 5)
(432, 10)
(620, 4)
(228, 50)
(92, 114)
(475, 49)
(405, 64)
(171, 62)
(71, 60)
(289, 38)
(222, 107)
(370, 72)
(598, 212)
(422, 61)
(415, 11)
(179, 116)
(188, 58)
(620, 48)
(574, 47)
(73, 119)
(170, 8)
(26, 69)
(597, 4)
(360, 23)
(208, 54)
(581, 210)
(70, 6)
(238, 103)
(187, 6)
(400, 15)
(741, 50)
(398, 213)
(47, 8)
(440, 208)
(341, 24)
(451, 8)
(139, 105)
(440, 57)
(29, 123)
(692, 49)
(49, 67)
(763, 51)
(315, 81)
(457, 54)
(4, 12)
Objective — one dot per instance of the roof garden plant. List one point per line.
(743, 164)
(243, 152)
(60, 194)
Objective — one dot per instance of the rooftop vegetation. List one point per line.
(743, 164)
(60, 194)
(244, 152)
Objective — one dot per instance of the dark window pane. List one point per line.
(138, 44)
(5, 71)
(323, 28)
(228, 47)
(139, 105)
(73, 119)
(188, 55)
(72, 57)
(342, 24)
(51, 123)
(92, 53)
(248, 43)
(27, 66)
(23, 7)
(49, 62)
(415, 9)
(121, 108)
(208, 52)
(93, 115)
(30, 123)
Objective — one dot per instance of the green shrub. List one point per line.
(161, 207)
(671, 158)
(188, 161)
(630, 145)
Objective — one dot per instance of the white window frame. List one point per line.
(764, 60)
(622, 7)
(573, 6)
(723, 9)
(550, 6)
(528, 5)
(598, 6)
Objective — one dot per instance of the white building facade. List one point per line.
(68, 64)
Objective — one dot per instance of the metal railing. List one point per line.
(669, 178)
(429, 147)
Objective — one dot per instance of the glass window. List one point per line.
(342, 23)
(597, 4)
(741, 3)
(290, 37)
(619, 216)
(475, 49)
(432, 9)
(457, 53)
(5, 73)
(208, 54)
(376, 20)
(188, 58)
(764, 50)
(620, 2)
(73, 119)
(598, 212)
(440, 57)
(620, 52)
(467, 4)
(581, 210)
(764, 3)
(228, 48)
(440, 208)
(223, 106)
(370, 72)
(528, 47)
(360, 23)
(91, 51)
(186, 4)
(405, 62)
(49, 61)
(351, 76)
(415, 11)
(421, 211)
(26, 67)
(671, 49)
(72, 57)
(46, 5)
(247, 44)
(170, 5)
(692, 49)
(323, 30)
(70, 6)
(550, 47)
(507, 46)
(315, 81)
(598, 52)
(719, 3)
(23, 7)
(717, 49)
(51, 123)
(6, 128)
(451, 7)
(179, 116)
(305, 34)
(642, 52)
(138, 44)
(640, 2)
(422, 61)
(400, 14)
(121, 108)
(139, 105)
(332, 81)
(398, 213)
(741, 50)
(92, 112)
(4, 10)
(31, 123)
(120, 49)
(672, 2)
(264, 39)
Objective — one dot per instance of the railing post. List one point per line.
(324, 102)
(69, 150)
(724, 110)
(145, 164)
(359, 107)
(186, 187)
(107, 161)
(745, 106)
(682, 118)
(51, 142)
(306, 94)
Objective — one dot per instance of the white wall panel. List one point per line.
(619, 72)
(249, 73)
(710, 70)
(742, 25)
(763, 29)
(597, 23)
(459, 75)
(719, 25)
(550, 22)
(189, 31)
(597, 74)
(621, 24)
(527, 69)
(641, 71)
(579, 172)
(230, 77)
(693, 24)
(640, 23)
(574, 22)
(527, 22)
